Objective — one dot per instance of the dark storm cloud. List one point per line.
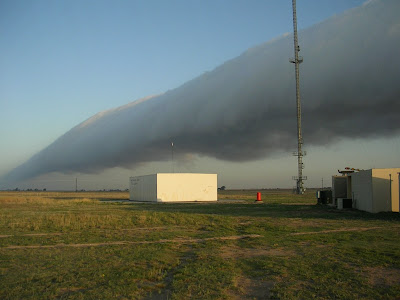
(245, 109)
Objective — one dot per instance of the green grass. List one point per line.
(84, 246)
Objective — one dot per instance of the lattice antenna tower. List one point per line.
(297, 60)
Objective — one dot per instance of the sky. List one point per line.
(64, 61)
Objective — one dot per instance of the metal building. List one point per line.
(173, 187)
(373, 190)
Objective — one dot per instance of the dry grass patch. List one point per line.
(234, 252)
(250, 288)
(380, 276)
(44, 197)
(69, 291)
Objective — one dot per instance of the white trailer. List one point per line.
(173, 187)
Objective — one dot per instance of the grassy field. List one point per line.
(89, 246)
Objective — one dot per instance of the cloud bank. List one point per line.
(245, 109)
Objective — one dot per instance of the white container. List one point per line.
(173, 187)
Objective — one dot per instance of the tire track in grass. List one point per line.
(101, 230)
(341, 230)
(177, 240)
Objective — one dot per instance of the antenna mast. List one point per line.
(297, 60)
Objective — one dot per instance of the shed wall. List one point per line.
(385, 189)
(143, 188)
(339, 187)
(361, 189)
(183, 187)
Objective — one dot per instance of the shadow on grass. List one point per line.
(264, 210)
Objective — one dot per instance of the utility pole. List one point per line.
(390, 190)
(76, 184)
(172, 156)
(297, 60)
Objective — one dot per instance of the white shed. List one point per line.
(173, 187)
(374, 190)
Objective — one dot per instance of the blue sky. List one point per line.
(63, 61)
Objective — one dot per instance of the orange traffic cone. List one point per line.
(258, 197)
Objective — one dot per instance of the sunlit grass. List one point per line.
(43, 197)
(86, 246)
